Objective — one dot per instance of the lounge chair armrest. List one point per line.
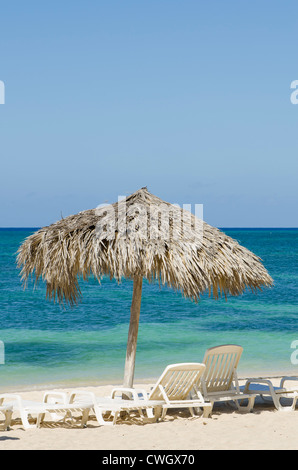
(285, 379)
(258, 381)
(135, 392)
(90, 396)
(10, 396)
(52, 397)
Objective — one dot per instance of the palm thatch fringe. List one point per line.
(139, 236)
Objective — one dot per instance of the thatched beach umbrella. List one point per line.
(139, 237)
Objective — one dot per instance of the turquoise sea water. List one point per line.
(46, 345)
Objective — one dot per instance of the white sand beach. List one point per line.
(264, 428)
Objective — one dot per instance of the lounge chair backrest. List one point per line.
(221, 363)
(176, 381)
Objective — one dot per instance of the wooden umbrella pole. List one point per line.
(133, 332)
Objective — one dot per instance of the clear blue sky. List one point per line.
(190, 98)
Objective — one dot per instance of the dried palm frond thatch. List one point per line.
(135, 238)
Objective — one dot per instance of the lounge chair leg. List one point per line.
(163, 414)
(24, 418)
(7, 423)
(195, 411)
(158, 413)
(246, 408)
(207, 411)
(85, 416)
(280, 407)
(116, 414)
(40, 419)
(99, 416)
(147, 414)
(153, 414)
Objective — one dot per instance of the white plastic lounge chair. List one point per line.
(7, 411)
(219, 382)
(54, 403)
(106, 407)
(175, 385)
(264, 387)
(172, 390)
